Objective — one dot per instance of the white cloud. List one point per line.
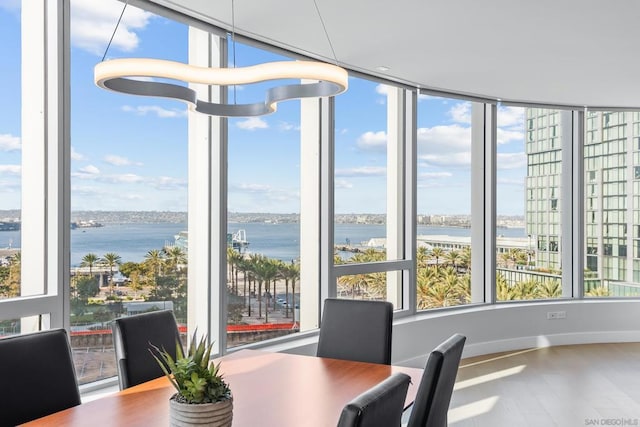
(435, 175)
(168, 183)
(286, 126)
(422, 97)
(451, 159)
(461, 113)
(90, 170)
(10, 5)
(143, 110)
(510, 116)
(252, 188)
(93, 24)
(76, 156)
(444, 139)
(11, 170)
(252, 123)
(506, 136)
(114, 160)
(125, 178)
(372, 140)
(9, 142)
(343, 183)
(511, 160)
(362, 171)
(383, 89)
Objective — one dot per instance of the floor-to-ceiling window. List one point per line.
(128, 184)
(611, 188)
(443, 188)
(10, 157)
(529, 203)
(368, 191)
(10, 160)
(263, 230)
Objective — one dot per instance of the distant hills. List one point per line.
(151, 217)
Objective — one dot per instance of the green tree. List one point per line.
(437, 254)
(89, 260)
(87, 287)
(550, 289)
(175, 258)
(112, 260)
(154, 260)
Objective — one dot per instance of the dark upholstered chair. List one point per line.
(132, 337)
(37, 375)
(356, 330)
(380, 406)
(436, 386)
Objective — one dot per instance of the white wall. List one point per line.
(516, 326)
(502, 327)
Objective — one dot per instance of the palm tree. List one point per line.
(465, 258)
(437, 254)
(175, 257)
(243, 266)
(234, 258)
(154, 259)
(269, 273)
(89, 260)
(526, 289)
(503, 291)
(257, 267)
(550, 289)
(111, 259)
(454, 258)
(292, 272)
(598, 291)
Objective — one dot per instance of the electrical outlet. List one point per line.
(556, 315)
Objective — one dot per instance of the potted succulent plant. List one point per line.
(203, 397)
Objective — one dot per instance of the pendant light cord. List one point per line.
(324, 28)
(114, 30)
(233, 43)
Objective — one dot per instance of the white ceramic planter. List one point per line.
(218, 414)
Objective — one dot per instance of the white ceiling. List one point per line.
(573, 52)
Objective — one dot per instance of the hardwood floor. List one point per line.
(566, 386)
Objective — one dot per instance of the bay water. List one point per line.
(132, 241)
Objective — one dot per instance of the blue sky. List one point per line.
(130, 153)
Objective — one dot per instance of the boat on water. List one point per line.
(9, 225)
(237, 240)
(86, 224)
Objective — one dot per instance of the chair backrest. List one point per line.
(380, 406)
(436, 386)
(356, 330)
(132, 339)
(37, 375)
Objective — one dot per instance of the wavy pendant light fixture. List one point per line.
(120, 75)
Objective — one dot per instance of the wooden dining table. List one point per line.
(269, 389)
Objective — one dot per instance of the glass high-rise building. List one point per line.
(611, 156)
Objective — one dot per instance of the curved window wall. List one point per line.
(370, 153)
